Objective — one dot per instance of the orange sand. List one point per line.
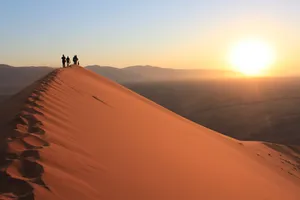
(81, 136)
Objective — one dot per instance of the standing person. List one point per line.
(75, 59)
(68, 61)
(63, 60)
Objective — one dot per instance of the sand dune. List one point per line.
(76, 135)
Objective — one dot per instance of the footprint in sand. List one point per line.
(15, 187)
(34, 142)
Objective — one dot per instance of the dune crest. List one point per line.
(80, 136)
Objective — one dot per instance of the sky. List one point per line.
(166, 33)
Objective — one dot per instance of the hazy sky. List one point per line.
(168, 33)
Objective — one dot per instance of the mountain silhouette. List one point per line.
(13, 79)
(149, 73)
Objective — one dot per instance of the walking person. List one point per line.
(68, 61)
(75, 59)
(63, 60)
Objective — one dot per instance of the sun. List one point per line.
(251, 57)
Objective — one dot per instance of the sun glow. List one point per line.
(251, 57)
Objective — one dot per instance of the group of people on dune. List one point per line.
(68, 61)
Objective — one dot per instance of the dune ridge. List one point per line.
(20, 164)
(77, 135)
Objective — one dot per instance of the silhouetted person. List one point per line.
(68, 61)
(75, 59)
(63, 60)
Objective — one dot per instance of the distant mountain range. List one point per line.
(13, 79)
(150, 73)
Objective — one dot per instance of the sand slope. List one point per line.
(76, 135)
